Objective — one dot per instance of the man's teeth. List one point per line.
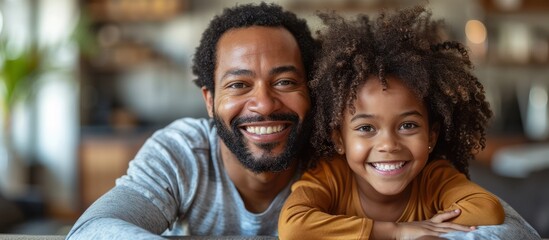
(388, 166)
(264, 130)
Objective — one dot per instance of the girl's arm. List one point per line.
(447, 189)
(321, 207)
(305, 215)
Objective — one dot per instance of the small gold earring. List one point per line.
(430, 149)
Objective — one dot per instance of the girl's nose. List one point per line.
(388, 142)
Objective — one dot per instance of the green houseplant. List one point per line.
(19, 71)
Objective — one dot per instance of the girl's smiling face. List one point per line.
(388, 139)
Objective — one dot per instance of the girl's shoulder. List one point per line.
(439, 169)
(438, 163)
(331, 166)
(335, 162)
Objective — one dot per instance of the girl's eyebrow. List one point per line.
(362, 115)
(411, 113)
(404, 114)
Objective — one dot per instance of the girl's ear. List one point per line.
(433, 136)
(338, 142)
(208, 99)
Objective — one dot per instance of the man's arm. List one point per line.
(120, 208)
(514, 227)
(159, 186)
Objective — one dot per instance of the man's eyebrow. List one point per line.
(283, 69)
(237, 72)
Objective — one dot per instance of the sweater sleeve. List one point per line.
(452, 190)
(141, 204)
(160, 183)
(120, 208)
(316, 207)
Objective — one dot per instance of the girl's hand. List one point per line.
(435, 226)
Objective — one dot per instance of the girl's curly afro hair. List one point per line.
(407, 44)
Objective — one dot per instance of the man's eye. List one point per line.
(284, 82)
(237, 85)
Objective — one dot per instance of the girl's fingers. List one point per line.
(441, 224)
(445, 216)
(450, 227)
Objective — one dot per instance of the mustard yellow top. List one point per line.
(324, 203)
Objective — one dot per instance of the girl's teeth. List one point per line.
(388, 166)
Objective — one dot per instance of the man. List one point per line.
(229, 175)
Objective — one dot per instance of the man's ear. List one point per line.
(433, 136)
(338, 142)
(208, 99)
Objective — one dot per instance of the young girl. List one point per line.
(399, 115)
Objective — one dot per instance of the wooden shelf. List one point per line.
(530, 6)
(136, 10)
(103, 159)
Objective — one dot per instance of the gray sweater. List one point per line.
(176, 185)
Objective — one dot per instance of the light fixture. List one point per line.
(475, 31)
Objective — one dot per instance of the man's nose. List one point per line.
(264, 100)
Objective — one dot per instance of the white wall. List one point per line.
(57, 104)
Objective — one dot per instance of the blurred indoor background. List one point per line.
(84, 82)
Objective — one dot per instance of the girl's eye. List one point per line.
(366, 128)
(408, 125)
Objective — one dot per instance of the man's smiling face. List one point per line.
(261, 97)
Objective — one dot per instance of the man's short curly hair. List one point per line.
(242, 16)
(407, 44)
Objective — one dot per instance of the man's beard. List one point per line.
(235, 141)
